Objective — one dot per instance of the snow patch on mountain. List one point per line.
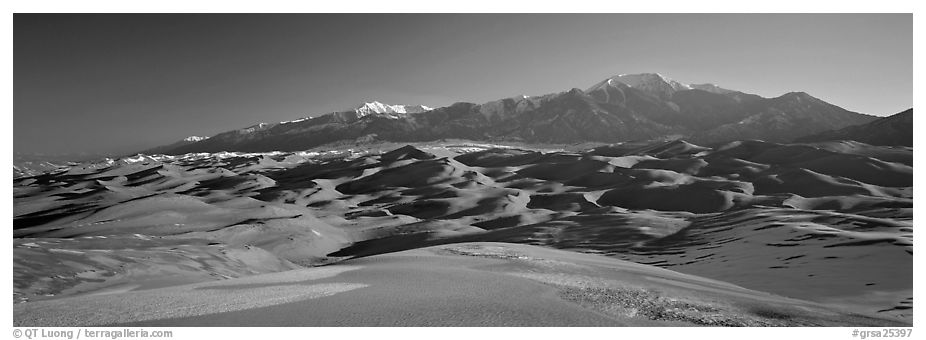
(255, 128)
(655, 84)
(296, 121)
(376, 107)
(195, 138)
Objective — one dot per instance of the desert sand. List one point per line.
(815, 234)
(468, 284)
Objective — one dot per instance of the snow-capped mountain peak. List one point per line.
(649, 80)
(372, 108)
(376, 107)
(655, 84)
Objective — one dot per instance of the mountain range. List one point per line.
(627, 107)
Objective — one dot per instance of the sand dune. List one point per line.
(895, 154)
(809, 221)
(470, 284)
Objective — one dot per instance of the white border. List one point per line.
(474, 6)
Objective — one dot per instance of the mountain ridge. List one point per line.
(896, 130)
(626, 107)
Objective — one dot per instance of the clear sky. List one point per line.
(122, 83)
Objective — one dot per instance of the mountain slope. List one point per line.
(895, 130)
(782, 119)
